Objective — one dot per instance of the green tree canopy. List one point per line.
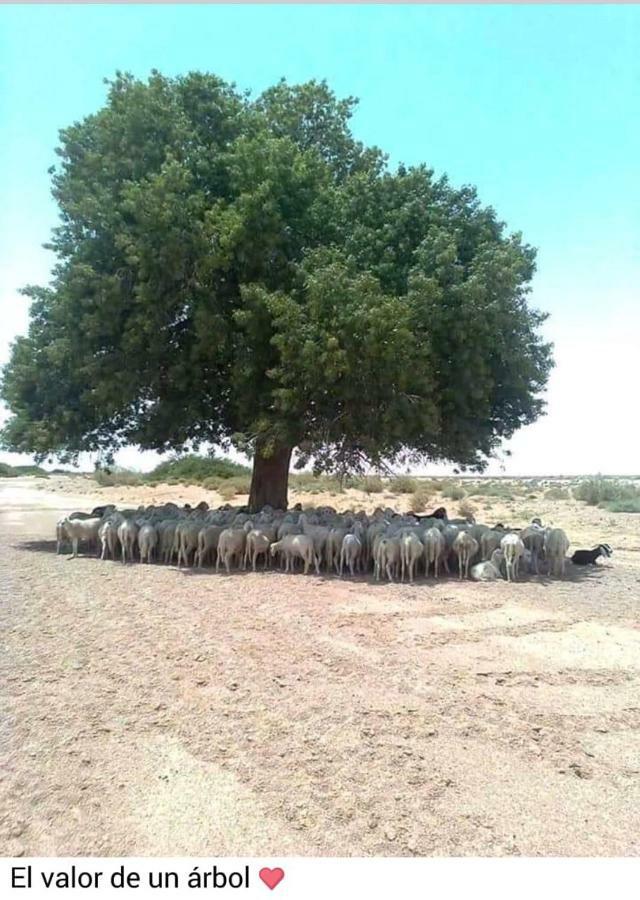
(243, 270)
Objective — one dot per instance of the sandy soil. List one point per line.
(149, 711)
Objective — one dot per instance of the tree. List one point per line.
(244, 271)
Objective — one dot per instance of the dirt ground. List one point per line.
(150, 711)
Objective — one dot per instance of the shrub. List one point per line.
(601, 490)
(7, 471)
(315, 484)
(453, 491)
(557, 493)
(630, 505)
(372, 484)
(194, 469)
(117, 476)
(492, 489)
(403, 484)
(419, 500)
(466, 509)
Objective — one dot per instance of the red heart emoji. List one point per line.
(271, 877)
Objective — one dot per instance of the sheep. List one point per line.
(434, 549)
(589, 557)
(350, 552)
(208, 538)
(61, 533)
(411, 552)
(80, 530)
(294, 546)
(465, 548)
(108, 535)
(485, 571)
(533, 539)
(556, 544)
(166, 536)
(513, 548)
(231, 544)
(387, 557)
(147, 542)
(333, 547)
(258, 542)
(489, 542)
(188, 541)
(127, 535)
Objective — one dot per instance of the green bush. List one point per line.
(631, 505)
(466, 509)
(239, 484)
(453, 491)
(315, 484)
(372, 484)
(600, 490)
(7, 471)
(557, 493)
(194, 469)
(403, 484)
(116, 477)
(419, 500)
(492, 489)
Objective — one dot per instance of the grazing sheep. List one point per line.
(434, 550)
(589, 557)
(411, 552)
(147, 542)
(350, 552)
(296, 546)
(465, 547)
(513, 548)
(556, 544)
(127, 535)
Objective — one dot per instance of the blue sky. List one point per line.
(536, 105)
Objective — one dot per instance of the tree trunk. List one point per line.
(270, 479)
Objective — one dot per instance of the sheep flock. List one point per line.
(391, 545)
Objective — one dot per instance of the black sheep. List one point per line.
(589, 557)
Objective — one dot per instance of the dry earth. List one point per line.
(151, 711)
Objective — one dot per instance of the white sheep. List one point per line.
(465, 547)
(127, 535)
(231, 544)
(387, 558)
(258, 542)
(296, 546)
(81, 530)
(533, 539)
(208, 538)
(411, 552)
(147, 542)
(513, 548)
(434, 549)
(556, 544)
(350, 552)
(485, 571)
